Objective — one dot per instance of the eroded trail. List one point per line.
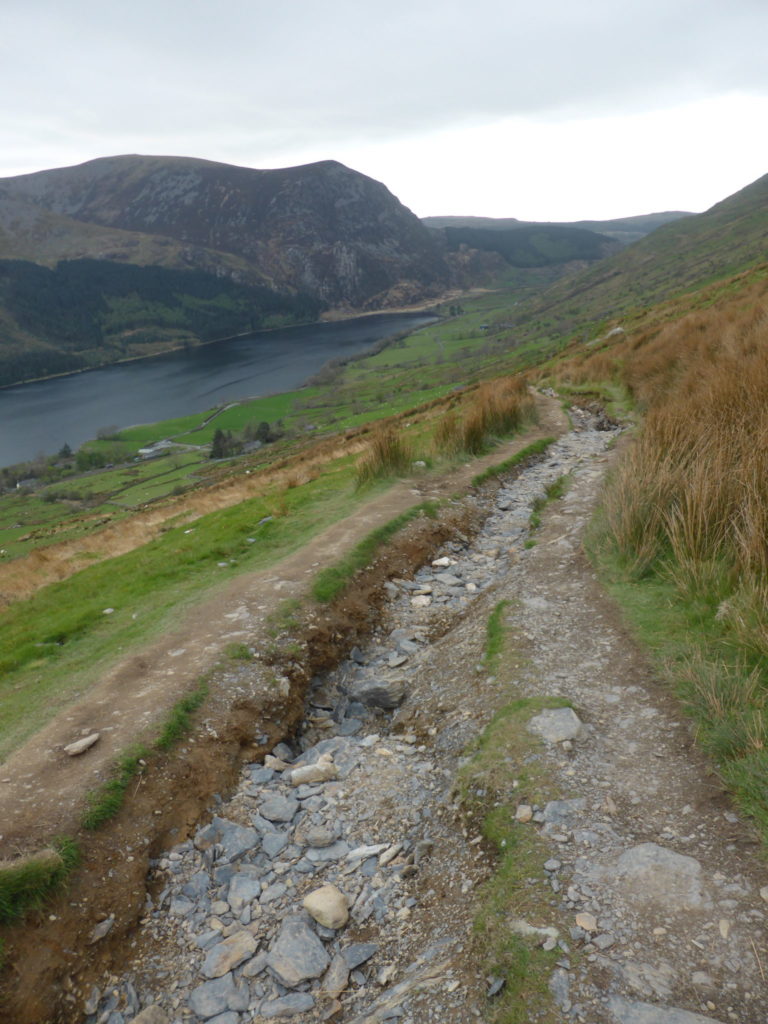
(647, 888)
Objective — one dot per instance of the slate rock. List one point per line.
(654, 874)
(225, 956)
(217, 996)
(273, 843)
(358, 952)
(336, 978)
(297, 954)
(555, 725)
(626, 1011)
(288, 1006)
(379, 693)
(279, 808)
(244, 888)
(558, 812)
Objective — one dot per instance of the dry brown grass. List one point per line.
(493, 409)
(389, 453)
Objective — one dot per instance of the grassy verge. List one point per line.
(105, 802)
(332, 581)
(531, 451)
(505, 771)
(494, 636)
(720, 683)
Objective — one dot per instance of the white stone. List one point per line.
(555, 725)
(80, 746)
(328, 906)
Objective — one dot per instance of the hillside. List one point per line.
(624, 229)
(678, 256)
(276, 246)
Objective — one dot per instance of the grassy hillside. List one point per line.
(85, 313)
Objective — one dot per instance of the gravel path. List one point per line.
(339, 881)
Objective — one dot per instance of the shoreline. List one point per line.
(329, 318)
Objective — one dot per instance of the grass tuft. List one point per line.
(25, 884)
(332, 581)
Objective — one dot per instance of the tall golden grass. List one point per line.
(495, 408)
(389, 453)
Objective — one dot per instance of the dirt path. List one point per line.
(647, 888)
(42, 790)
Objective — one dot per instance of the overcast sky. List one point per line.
(542, 109)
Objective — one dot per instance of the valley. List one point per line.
(548, 505)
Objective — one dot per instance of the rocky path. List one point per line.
(340, 881)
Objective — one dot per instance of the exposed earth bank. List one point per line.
(646, 889)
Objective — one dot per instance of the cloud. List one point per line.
(250, 81)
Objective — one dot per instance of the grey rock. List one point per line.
(283, 751)
(297, 954)
(181, 906)
(274, 842)
(279, 808)
(626, 1011)
(288, 1006)
(216, 996)
(260, 776)
(358, 953)
(244, 888)
(197, 885)
(559, 812)
(655, 874)
(336, 978)
(554, 725)
(560, 987)
(230, 1017)
(335, 851)
(379, 692)
(350, 726)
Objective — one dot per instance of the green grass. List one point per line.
(60, 639)
(333, 580)
(25, 884)
(238, 652)
(531, 451)
(505, 770)
(179, 722)
(552, 492)
(106, 801)
(721, 686)
(494, 635)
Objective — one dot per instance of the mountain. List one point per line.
(129, 255)
(321, 229)
(535, 246)
(681, 255)
(624, 229)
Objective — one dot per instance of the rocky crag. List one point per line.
(321, 229)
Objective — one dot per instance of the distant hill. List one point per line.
(535, 246)
(680, 255)
(275, 246)
(624, 229)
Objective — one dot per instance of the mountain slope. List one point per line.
(321, 229)
(624, 229)
(731, 236)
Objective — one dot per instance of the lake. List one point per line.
(41, 416)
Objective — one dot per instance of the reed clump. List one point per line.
(496, 408)
(388, 454)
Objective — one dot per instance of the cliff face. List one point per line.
(321, 229)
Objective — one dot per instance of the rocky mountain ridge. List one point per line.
(319, 229)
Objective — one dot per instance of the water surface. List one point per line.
(41, 416)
